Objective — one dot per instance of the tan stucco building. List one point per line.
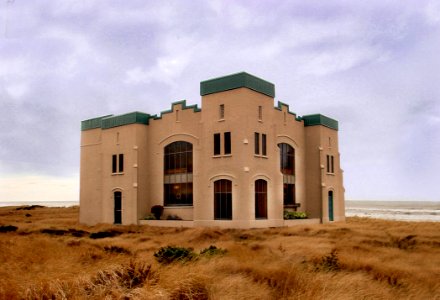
(237, 162)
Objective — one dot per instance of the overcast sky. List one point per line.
(372, 65)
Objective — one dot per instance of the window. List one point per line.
(227, 137)
(223, 199)
(178, 174)
(117, 163)
(287, 167)
(260, 199)
(121, 163)
(330, 164)
(263, 144)
(287, 159)
(222, 111)
(260, 113)
(227, 144)
(217, 144)
(114, 163)
(257, 143)
(288, 194)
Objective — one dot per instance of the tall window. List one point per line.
(117, 163)
(257, 143)
(223, 199)
(287, 167)
(216, 143)
(222, 111)
(178, 174)
(330, 164)
(227, 136)
(263, 144)
(260, 199)
(260, 113)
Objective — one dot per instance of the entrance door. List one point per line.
(330, 205)
(118, 207)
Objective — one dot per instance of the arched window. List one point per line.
(223, 199)
(178, 177)
(287, 166)
(260, 199)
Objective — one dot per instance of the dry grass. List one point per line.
(51, 256)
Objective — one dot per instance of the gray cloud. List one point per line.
(372, 65)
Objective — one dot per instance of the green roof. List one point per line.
(318, 119)
(111, 121)
(125, 119)
(93, 123)
(235, 81)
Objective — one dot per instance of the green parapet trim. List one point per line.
(235, 81)
(125, 119)
(318, 119)
(92, 123)
(184, 106)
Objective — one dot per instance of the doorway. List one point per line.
(118, 207)
(330, 206)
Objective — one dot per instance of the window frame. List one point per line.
(217, 144)
(223, 199)
(227, 140)
(178, 174)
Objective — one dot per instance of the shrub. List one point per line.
(290, 215)
(53, 231)
(170, 254)
(157, 211)
(8, 228)
(173, 217)
(213, 250)
(150, 217)
(104, 234)
(116, 249)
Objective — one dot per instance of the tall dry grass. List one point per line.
(51, 256)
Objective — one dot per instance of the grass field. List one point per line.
(46, 254)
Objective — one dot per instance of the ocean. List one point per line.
(42, 203)
(394, 210)
(389, 210)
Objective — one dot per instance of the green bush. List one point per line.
(157, 211)
(290, 215)
(213, 250)
(150, 217)
(170, 254)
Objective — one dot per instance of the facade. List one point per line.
(238, 162)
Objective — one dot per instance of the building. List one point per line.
(237, 162)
